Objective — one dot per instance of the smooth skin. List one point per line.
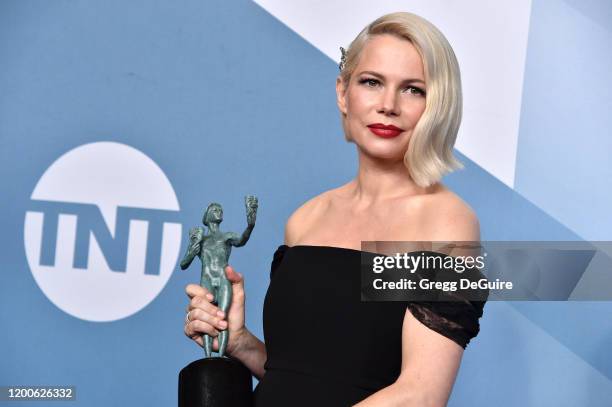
(381, 203)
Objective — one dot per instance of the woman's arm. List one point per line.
(252, 353)
(430, 362)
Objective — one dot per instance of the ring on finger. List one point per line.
(187, 319)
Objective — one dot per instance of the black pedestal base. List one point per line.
(215, 382)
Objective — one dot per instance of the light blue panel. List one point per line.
(598, 11)
(506, 215)
(503, 213)
(520, 364)
(563, 159)
(585, 328)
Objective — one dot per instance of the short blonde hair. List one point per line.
(430, 151)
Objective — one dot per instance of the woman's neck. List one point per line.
(381, 180)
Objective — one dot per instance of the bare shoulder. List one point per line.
(304, 215)
(450, 218)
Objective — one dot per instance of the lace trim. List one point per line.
(457, 321)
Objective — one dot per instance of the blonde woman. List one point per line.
(399, 97)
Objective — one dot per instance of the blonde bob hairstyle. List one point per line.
(430, 151)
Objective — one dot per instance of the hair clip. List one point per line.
(342, 58)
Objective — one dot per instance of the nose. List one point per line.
(388, 103)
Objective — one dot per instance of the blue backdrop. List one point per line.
(120, 121)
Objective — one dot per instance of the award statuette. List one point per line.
(222, 380)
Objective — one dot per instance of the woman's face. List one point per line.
(387, 88)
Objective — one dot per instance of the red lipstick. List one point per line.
(385, 130)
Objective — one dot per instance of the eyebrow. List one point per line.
(409, 80)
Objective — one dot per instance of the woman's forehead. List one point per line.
(392, 55)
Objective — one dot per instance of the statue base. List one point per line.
(215, 382)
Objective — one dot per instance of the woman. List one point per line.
(399, 97)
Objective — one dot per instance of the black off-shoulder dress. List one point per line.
(325, 346)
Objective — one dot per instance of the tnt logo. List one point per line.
(102, 235)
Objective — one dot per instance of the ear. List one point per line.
(340, 95)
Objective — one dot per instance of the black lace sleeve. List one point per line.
(456, 320)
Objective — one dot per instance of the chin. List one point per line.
(383, 149)
(384, 153)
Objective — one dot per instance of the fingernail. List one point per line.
(209, 296)
(223, 324)
(221, 314)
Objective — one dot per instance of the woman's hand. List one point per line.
(206, 318)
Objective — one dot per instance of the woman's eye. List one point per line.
(369, 82)
(415, 91)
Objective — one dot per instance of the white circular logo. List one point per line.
(102, 234)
